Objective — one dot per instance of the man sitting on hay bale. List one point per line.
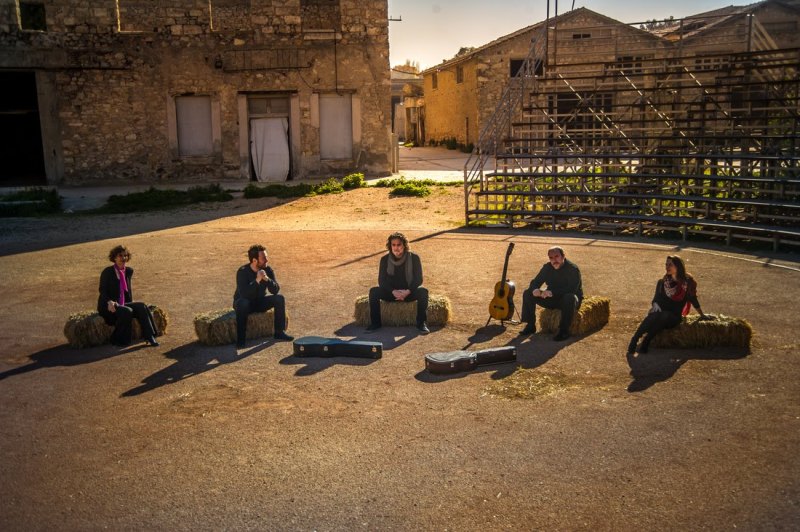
(564, 292)
(253, 280)
(399, 279)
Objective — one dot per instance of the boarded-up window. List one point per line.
(460, 74)
(336, 126)
(435, 80)
(194, 125)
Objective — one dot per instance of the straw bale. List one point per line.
(89, 329)
(692, 333)
(218, 327)
(592, 315)
(402, 313)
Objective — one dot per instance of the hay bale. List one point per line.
(402, 313)
(218, 327)
(592, 315)
(693, 333)
(89, 329)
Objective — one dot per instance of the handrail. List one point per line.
(489, 140)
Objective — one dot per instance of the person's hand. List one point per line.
(261, 275)
(400, 295)
(655, 308)
(707, 317)
(112, 306)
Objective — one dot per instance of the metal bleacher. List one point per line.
(676, 143)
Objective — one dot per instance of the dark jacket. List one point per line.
(398, 280)
(565, 280)
(109, 290)
(247, 287)
(681, 306)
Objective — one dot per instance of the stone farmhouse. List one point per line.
(580, 46)
(114, 91)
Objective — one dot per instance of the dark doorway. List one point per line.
(21, 153)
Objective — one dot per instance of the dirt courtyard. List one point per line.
(188, 437)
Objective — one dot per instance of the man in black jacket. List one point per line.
(252, 282)
(399, 279)
(564, 292)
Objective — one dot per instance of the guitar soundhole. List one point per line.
(302, 348)
(374, 349)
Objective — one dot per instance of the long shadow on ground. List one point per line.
(532, 351)
(70, 229)
(64, 355)
(191, 360)
(661, 364)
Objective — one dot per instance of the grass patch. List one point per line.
(411, 188)
(278, 191)
(31, 202)
(329, 186)
(154, 199)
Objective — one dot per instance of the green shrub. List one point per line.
(276, 190)
(31, 202)
(155, 199)
(411, 188)
(329, 186)
(399, 181)
(353, 181)
(451, 143)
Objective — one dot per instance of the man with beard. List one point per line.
(564, 292)
(399, 279)
(253, 280)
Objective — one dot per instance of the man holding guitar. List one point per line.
(564, 292)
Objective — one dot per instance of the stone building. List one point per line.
(576, 51)
(112, 91)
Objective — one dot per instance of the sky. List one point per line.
(434, 30)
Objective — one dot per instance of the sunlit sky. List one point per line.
(433, 30)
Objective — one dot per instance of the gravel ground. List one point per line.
(187, 437)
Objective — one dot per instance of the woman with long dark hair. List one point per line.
(116, 304)
(676, 293)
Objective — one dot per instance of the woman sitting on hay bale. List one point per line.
(675, 294)
(115, 303)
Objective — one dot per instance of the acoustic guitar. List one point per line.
(502, 305)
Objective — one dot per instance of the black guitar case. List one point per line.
(317, 346)
(458, 361)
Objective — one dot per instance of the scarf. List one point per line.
(391, 263)
(679, 291)
(123, 284)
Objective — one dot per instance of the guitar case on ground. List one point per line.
(317, 346)
(458, 361)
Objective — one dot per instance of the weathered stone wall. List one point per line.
(453, 106)
(112, 89)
